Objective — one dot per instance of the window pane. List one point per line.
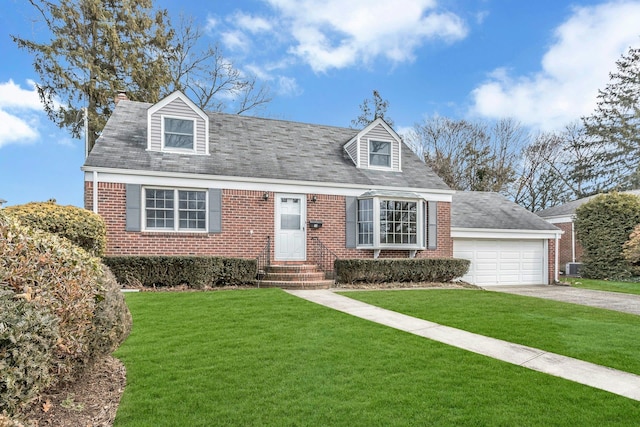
(398, 224)
(159, 208)
(192, 210)
(178, 133)
(365, 222)
(380, 153)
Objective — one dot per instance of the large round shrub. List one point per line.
(28, 337)
(51, 276)
(83, 227)
(603, 225)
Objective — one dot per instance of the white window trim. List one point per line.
(377, 167)
(176, 211)
(164, 148)
(420, 231)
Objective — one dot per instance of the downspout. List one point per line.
(557, 252)
(573, 242)
(95, 191)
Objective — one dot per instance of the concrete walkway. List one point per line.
(611, 380)
(626, 303)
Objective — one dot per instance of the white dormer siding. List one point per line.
(360, 147)
(165, 113)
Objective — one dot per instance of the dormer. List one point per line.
(176, 125)
(376, 147)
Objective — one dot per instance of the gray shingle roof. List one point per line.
(569, 208)
(244, 146)
(476, 209)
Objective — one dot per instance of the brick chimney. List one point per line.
(121, 96)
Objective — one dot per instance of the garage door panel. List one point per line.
(502, 261)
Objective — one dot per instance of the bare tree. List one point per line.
(470, 156)
(371, 109)
(213, 81)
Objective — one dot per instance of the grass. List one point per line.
(605, 285)
(263, 357)
(600, 336)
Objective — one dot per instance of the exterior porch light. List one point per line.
(265, 196)
(314, 198)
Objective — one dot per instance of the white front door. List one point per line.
(291, 219)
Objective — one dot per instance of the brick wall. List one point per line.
(551, 261)
(565, 251)
(247, 221)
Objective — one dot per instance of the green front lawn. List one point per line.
(605, 285)
(263, 357)
(600, 336)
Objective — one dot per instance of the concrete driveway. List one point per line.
(626, 303)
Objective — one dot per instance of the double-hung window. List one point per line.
(380, 153)
(175, 210)
(391, 223)
(178, 133)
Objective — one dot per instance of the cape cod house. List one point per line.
(171, 179)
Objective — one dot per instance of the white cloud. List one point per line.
(337, 34)
(13, 96)
(575, 66)
(19, 109)
(250, 23)
(235, 40)
(288, 86)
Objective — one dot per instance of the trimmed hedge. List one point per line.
(400, 270)
(196, 272)
(83, 227)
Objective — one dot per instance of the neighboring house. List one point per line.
(171, 179)
(563, 217)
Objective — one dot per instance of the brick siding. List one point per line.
(247, 221)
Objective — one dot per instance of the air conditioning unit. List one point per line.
(573, 269)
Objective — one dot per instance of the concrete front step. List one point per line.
(316, 284)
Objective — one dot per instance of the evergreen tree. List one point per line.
(96, 49)
(613, 129)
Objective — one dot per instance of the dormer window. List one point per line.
(178, 133)
(380, 153)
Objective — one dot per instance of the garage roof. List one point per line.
(488, 210)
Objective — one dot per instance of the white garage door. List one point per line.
(503, 262)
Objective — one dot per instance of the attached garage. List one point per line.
(506, 244)
(503, 262)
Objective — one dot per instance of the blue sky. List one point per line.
(540, 62)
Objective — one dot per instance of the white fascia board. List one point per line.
(168, 179)
(560, 219)
(491, 233)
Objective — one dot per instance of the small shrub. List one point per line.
(28, 338)
(83, 227)
(400, 270)
(603, 225)
(197, 272)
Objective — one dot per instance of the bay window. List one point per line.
(391, 223)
